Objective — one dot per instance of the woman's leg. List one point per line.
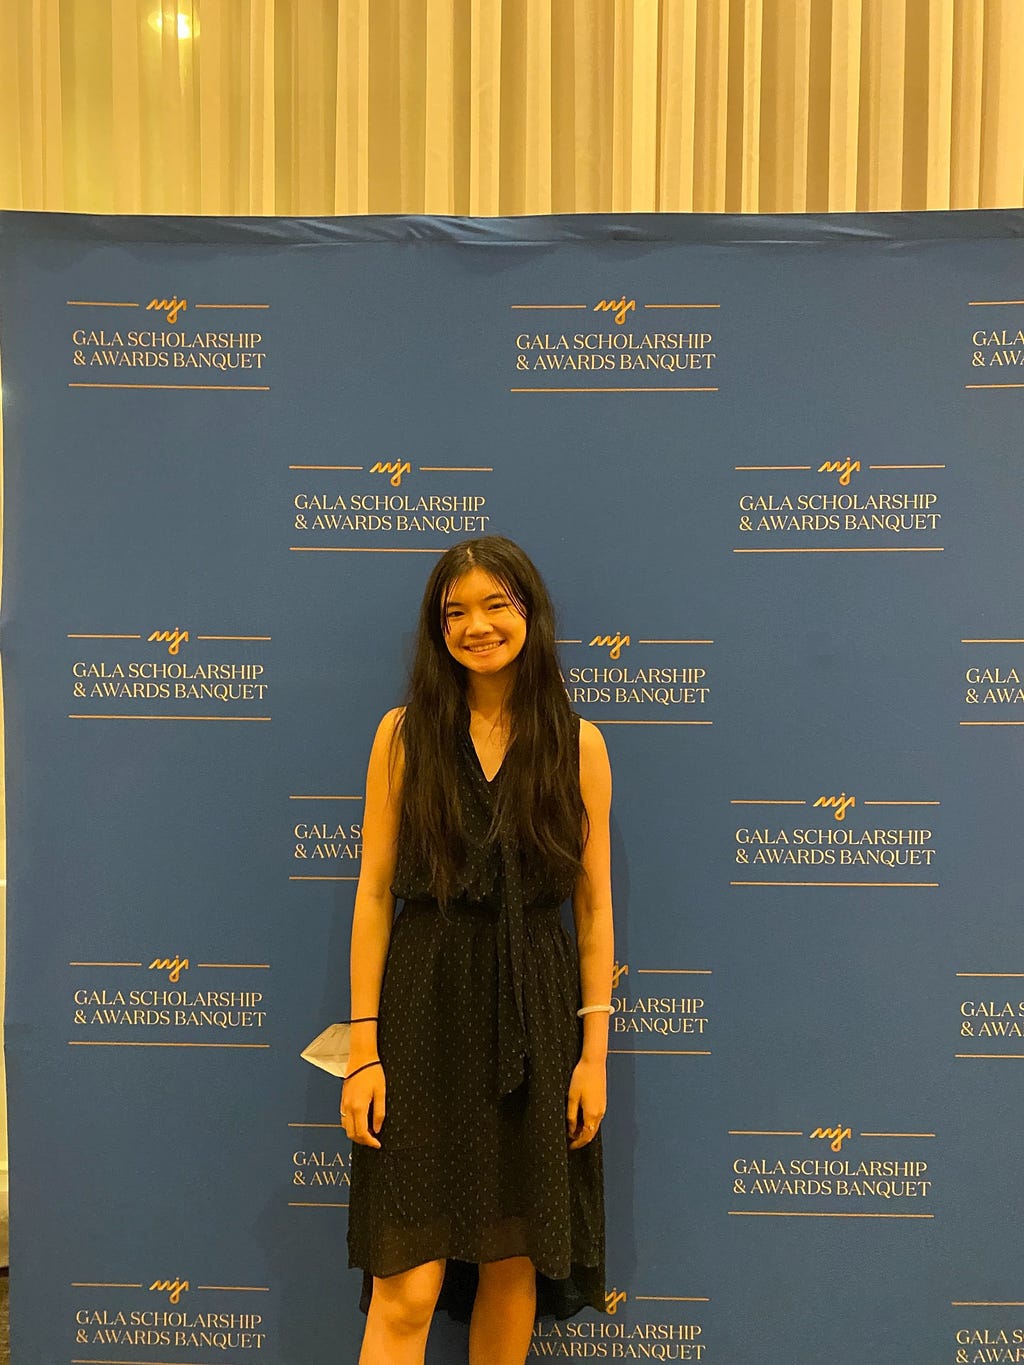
(503, 1313)
(401, 1308)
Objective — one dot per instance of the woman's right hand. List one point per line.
(362, 1105)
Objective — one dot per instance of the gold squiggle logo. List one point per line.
(172, 307)
(844, 468)
(840, 804)
(837, 1136)
(173, 966)
(173, 1288)
(620, 307)
(612, 1300)
(613, 642)
(174, 638)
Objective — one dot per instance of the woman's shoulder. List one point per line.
(594, 766)
(591, 738)
(391, 721)
(389, 733)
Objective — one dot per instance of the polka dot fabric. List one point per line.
(465, 1172)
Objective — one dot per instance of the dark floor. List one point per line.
(5, 1322)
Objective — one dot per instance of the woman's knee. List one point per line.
(407, 1300)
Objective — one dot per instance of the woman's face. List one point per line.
(483, 628)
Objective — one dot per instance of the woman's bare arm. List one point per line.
(592, 912)
(371, 927)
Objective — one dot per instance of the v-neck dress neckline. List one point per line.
(479, 762)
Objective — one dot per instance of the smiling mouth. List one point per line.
(484, 649)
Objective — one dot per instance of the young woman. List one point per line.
(476, 1080)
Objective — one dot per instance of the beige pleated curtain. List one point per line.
(510, 106)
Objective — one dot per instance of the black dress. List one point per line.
(479, 1036)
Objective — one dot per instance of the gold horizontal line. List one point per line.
(779, 1213)
(103, 1284)
(255, 966)
(234, 637)
(327, 466)
(992, 303)
(669, 1298)
(325, 798)
(456, 469)
(674, 971)
(1010, 1056)
(296, 1204)
(104, 964)
(849, 550)
(233, 388)
(764, 1132)
(682, 305)
(992, 642)
(368, 549)
(833, 883)
(104, 637)
(675, 642)
(242, 1288)
(97, 303)
(323, 879)
(764, 802)
(91, 1360)
(81, 1042)
(1001, 974)
(97, 716)
(619, 388)
(231, 305)
(899, 1135)
(523, 306)
(906, 466)
(992, 722)
(599, 721)
(656, 1052)
(568, 642)
(763, 467)
(901, 803)
(994, 386)
(987, 1303)
(314, 1125)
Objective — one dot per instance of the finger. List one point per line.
(378, 1107)
(586, 1134)
(361, 1132)
(572, 1112)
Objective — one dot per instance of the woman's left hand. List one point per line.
(588, 1092)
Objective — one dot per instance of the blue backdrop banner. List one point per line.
(771, 469)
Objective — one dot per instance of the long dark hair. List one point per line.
(538, 798)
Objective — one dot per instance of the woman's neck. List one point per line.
(486, 696)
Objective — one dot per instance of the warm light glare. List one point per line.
(156, 22)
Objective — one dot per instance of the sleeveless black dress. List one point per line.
(478, 1035)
